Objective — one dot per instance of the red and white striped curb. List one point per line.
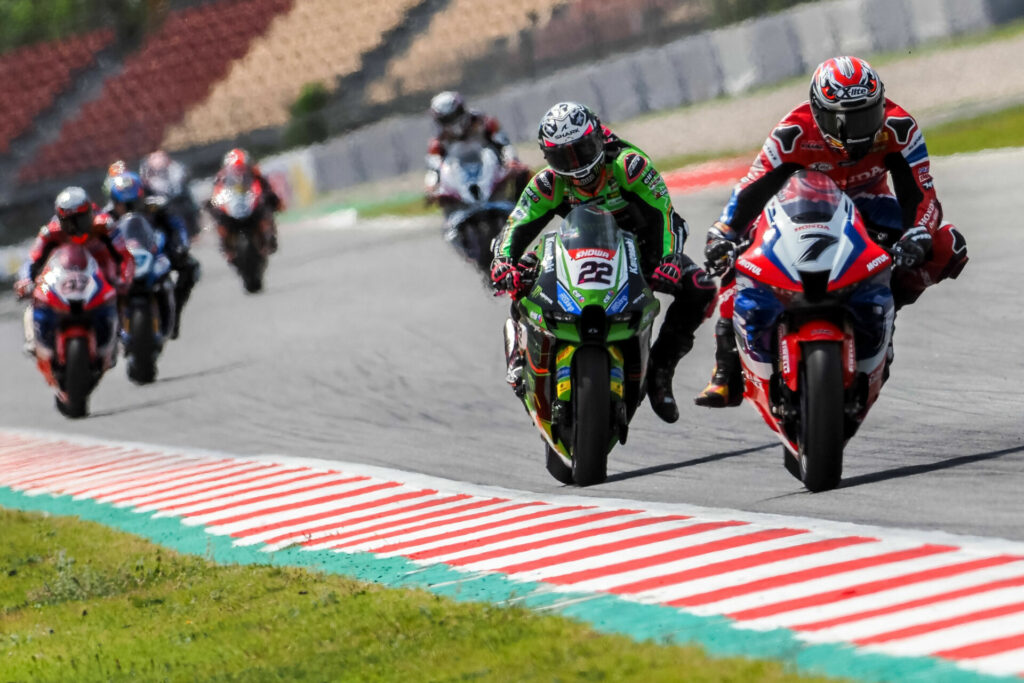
(707, 174)
(903, 593)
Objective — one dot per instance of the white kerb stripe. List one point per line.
(843, 580)
(641, 549)
(892, 596)
(482, 536)
(956, 636)
(729, 578)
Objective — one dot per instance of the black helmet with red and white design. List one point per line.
(572, 141)
(74, 212)
(450, 113)
(848, 102)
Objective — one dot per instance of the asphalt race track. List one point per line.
(375, 344)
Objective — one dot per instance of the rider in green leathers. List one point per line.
(589, 163)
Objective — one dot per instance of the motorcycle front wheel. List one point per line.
(592, 419)
(141, 350)
(821, 416)
(77, 378)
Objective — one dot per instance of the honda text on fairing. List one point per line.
(238, 208)
(74, 312)
(586, 327)
(475, 191)
(813, 319)
(149, 314)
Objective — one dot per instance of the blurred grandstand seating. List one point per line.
(318, 40)
(463, 32)
(33, 76)
(589, 28)
(172, 71)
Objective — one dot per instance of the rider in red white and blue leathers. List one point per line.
(849, 130)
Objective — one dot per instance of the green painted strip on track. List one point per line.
(605, 612)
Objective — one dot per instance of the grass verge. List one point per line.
(82, 602)
(1004, 128)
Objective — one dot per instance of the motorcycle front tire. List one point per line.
(77, 378)
(591, 397)
(141, 349)
(822, 416)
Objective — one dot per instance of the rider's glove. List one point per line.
(720, 255)
(667, 275)
(23, 287)
(912, 249)
(720, 249)
(505, 276)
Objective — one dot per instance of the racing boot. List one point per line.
(659, 390)
(28, 347)
(726, 386)
(188, 276)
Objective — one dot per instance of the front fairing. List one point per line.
(602, 279)
(65, 289)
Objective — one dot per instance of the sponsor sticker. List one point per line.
(750, 265)
(877, 261)
(634, 164)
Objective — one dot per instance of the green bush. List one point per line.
(24, 22)
(308, 122)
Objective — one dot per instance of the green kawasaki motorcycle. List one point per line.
(584, 327)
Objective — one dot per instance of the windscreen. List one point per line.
(809, 197)
(589, 226)
(465, 153)
(135, 228)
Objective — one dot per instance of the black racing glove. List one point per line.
(913, 248)
(667, 275)
(720, 249)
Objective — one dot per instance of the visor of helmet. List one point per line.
(77, 224)
(854, 125)
(451, 117)
(576, 159)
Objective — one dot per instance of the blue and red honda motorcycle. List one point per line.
(74, 312)
(813, 317)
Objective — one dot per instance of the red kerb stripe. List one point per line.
(985, 649)
(674, 555)
(309, 531)
(366, 535)
(336, 512)
(911, 604)
(518, 533)
(919, 629)
(745, 562)
(869, 588)
(614, 546)
(568, 538)
(807, 575)
(274, 496)
(546, 511)
(305, 476)
(398, 526)
(330, 498)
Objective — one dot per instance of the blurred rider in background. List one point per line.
(237, 167)
(164, 177)
(456, 123)
(588, 163)
(76, 219)
(849, 130)
(128, 194)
